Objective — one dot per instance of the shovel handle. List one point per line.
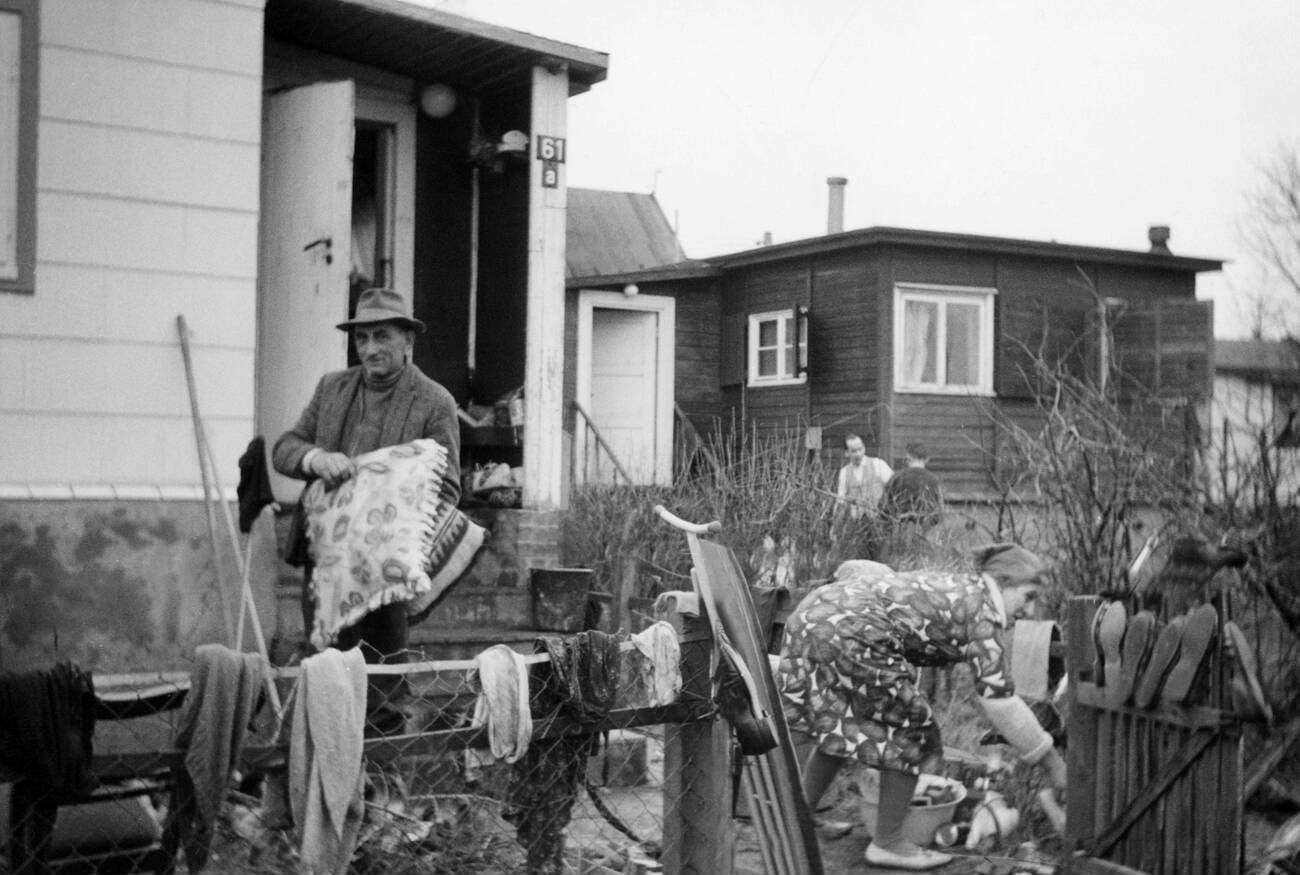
(694, 528)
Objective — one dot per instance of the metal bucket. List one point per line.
(559, 598)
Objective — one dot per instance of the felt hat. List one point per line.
(1010, 563)
(383, 305)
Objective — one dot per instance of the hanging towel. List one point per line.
(661, 670)
(502, 703)
(386, 535)
(254, 489)
(224, 688)
(326, 746)
(47, 720)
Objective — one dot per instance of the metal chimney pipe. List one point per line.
(1158, 237)
(835, 204)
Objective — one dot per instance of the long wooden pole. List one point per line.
(246, 603)
(200, 445)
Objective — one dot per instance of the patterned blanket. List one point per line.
(389, 534)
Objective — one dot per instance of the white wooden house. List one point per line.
(1254, 421)
(212, 159)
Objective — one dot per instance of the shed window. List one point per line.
(778, 347)
(18, 107)
(943, 339)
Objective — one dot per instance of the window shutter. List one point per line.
(1164, 347)
(731, 367)
(802, 346)
(1031, 330)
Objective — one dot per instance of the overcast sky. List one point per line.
(1040, 119)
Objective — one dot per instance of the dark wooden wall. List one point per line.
(1044, 308)
(696, 387)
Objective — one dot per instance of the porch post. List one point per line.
(544, 330)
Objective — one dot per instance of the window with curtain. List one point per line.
(18, 108)
(943, 339)
(778, 348)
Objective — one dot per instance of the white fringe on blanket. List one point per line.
(388, 534)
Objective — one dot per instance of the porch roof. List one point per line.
(429, 45)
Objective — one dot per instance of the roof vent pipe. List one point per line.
(1159, 237)
(835, 204)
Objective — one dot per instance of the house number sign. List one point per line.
(550, 151)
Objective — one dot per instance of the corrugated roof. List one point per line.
(617, 232)
(428, 44)
(1272, 359)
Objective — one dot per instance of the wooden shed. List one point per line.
(904, 335)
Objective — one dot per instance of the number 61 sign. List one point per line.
(550, 151)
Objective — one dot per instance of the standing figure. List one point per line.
(383, 401)
(914, 495)
(861, 481)
(849, 675)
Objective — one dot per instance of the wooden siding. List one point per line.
(147, 203)
(959, 433)
(1042, 311)
(1043, 306)
(697, 388)
(1137, 284)
(1166, 347)
(848, 355)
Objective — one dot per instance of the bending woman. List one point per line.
(849, 670)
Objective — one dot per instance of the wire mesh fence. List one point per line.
(596, 774)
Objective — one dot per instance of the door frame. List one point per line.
(401, 182)
(665, 309)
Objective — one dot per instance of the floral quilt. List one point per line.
(389, 534)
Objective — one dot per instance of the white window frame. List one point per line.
(985, 297)
(18, 111)
(799, 347)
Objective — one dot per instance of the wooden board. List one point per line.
(782, 817)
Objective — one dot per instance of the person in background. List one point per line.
(914, 495)
(383, 401)
(861, 481)
(849, 669)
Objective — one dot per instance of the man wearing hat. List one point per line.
(383, 401)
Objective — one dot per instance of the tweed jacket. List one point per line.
(420, 408)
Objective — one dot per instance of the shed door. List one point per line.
(304, 251)
(623, 388)
(625, 381)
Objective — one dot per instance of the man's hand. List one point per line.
(333, 468)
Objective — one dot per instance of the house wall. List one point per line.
(1044, 307)
(146, 209)
(1242, 412)
(147, 199)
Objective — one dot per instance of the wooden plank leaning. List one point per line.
(212, 481)
(789, 832)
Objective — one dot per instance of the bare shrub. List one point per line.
(773, 497)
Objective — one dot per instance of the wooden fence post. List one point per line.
(699, 834)
(1080, 656)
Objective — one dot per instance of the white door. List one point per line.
(625, 380)
(304, 253)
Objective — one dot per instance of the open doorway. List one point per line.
(372, 213)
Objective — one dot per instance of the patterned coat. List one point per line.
(853, 648)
